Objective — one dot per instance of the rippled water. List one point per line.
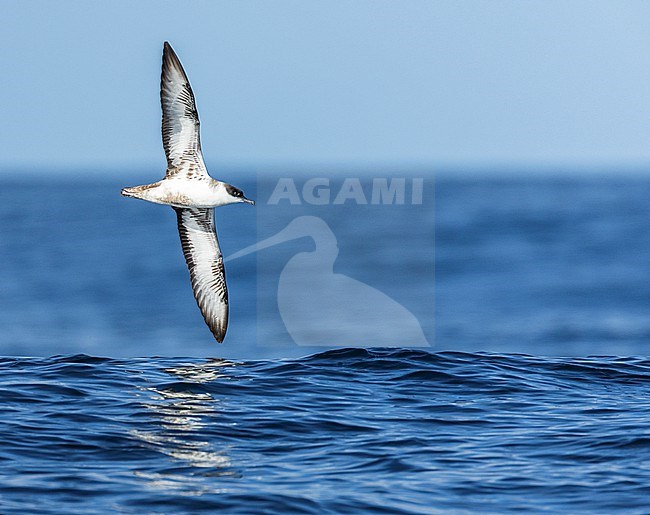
(393, 431)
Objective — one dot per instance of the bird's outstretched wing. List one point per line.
(180, 120)
(203, 256)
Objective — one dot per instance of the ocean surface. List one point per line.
(346, 431)
(533, 394)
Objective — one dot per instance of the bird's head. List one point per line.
(236, 195)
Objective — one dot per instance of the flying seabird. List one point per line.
(193, 194)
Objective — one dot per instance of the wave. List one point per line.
(392, 430)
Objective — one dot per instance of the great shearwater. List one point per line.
(193, 194)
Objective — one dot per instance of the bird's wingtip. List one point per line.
(218, 329)
(168, 51)
(170, 59)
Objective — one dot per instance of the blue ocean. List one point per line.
(532, 394)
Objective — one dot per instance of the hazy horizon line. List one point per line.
(125, 170)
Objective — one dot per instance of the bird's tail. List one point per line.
(129, 192)
(141, 192)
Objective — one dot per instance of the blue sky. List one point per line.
(359, 83)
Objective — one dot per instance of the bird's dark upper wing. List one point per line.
(180, 120)
(203, 256)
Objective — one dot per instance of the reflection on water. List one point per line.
(182, 413)
(211, 370)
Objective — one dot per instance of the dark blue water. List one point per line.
(545, 266)
(385, 431)
(555, 268)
